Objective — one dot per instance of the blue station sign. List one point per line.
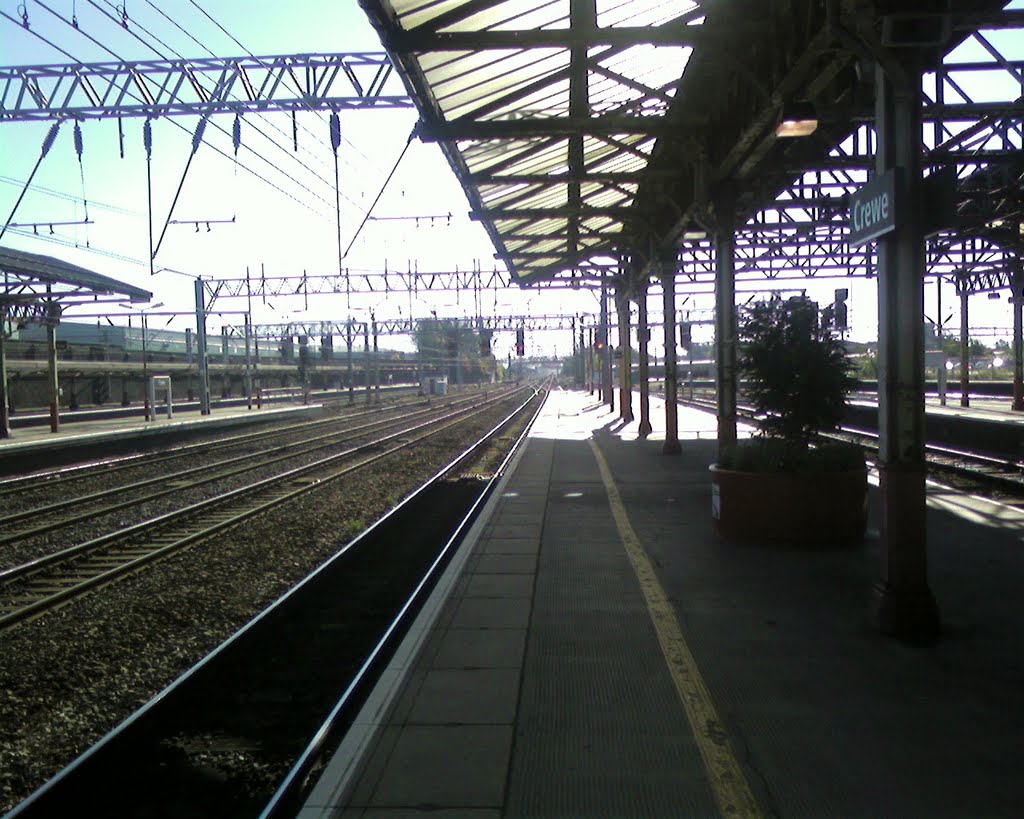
(873, 208)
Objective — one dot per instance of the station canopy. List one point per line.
(589, 134)
(39, 288)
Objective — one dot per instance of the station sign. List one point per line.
(873, 208)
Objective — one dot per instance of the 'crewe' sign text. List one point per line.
(873, 209)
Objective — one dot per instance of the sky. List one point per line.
(283, 220)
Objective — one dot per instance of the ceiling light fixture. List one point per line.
(798, 119)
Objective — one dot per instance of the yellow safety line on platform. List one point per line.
(728, 783)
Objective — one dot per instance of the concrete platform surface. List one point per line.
(596, 651)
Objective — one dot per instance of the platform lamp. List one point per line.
(797, 119)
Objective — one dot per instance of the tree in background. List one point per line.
(445, 346)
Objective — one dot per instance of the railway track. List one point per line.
(259, 452)
(13, 487)
(1001, 475)
(37, 586)
(236, 730)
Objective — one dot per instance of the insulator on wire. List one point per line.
(51, 135)
(78, 140)
(335, 131)
(147, 138)
(236, 133)
(197, 139)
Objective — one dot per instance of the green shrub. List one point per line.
(794, 371)
(767, 454)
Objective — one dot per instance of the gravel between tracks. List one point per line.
(69, 677)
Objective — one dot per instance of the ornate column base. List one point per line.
(909, 614)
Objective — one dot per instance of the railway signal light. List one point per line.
(520, 342)
(601, 340)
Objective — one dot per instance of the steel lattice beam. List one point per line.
(407, 326)
(203, 86)
(353, 282)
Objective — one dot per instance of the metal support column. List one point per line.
(590, 360)
(376, 365)
(643, 333)
(965, 361)
(904, 606)
(366, 362)
(51, 362)
(204, 375)
(1017, 299)
(667, 273)
(725, 321)
(351, 374)
(581, 370)
(148, 411)
(940, 374)
(625, 358)
(248, 361)
(605, 354)
(5, 413)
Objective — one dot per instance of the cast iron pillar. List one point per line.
(590, 360)
(1017, 298)
(204, 370)
(248, 362)
(5, 412)
(376, 363)
(581, 371)
(965, 341)
(904, 606)
(625, 358)
(52, 319)
(643, 334)
(605, 360)
(725, 321)
(367, 378)
(667, 273)
(351, 373)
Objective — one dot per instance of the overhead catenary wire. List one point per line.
(178, 54)
(247, 51)
(48, 141)
(57, 240)
(380, 193)
(182, 127)
(41, 37)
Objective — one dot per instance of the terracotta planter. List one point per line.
(821, 509)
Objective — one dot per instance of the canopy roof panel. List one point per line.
(34, 287)
(544, 110)
(585, 131)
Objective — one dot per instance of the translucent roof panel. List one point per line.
(611, 13)
(547, 114)
(464, 83)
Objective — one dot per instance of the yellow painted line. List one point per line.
(728, 783)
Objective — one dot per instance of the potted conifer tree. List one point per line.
(783, 484)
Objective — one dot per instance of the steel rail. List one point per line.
(141, 719)
(285, 801)
(1003, 472)
(58, 589)
(195, 476)
(67, 474)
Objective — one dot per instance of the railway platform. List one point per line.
(594, 650)
(40, 439)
